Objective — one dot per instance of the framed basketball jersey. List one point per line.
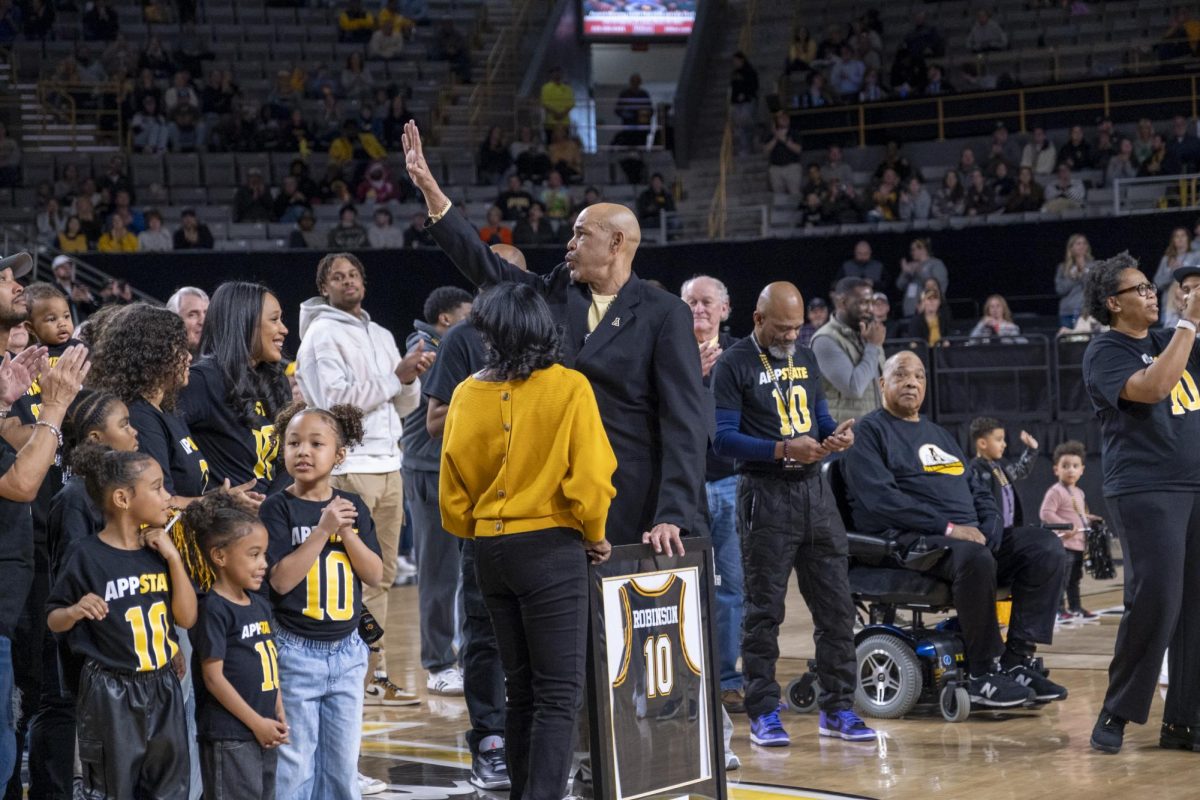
(653, 698)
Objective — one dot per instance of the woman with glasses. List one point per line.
(1143, 385)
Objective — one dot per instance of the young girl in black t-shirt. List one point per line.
(118, 598)
(322, 548)
(97, 419)
(240, 718)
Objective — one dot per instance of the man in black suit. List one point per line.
(632, 341)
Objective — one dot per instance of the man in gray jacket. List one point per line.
(849, 350)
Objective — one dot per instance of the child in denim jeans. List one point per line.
(322, 549)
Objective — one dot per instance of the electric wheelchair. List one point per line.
(900, 667)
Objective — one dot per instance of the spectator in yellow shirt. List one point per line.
(558, 99)
(118, 239)
(355, 23)
(72, 239)
(527, 473)
(391, 19)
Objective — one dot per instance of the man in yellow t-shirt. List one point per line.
(558, 99)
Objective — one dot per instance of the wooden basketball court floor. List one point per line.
(1022, 755)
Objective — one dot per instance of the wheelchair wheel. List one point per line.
(955, 704)
(802, 694)
(889, 677)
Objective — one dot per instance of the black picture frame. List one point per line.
(632, 561)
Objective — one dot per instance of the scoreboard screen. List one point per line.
(638, 19)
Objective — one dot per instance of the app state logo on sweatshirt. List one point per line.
(935, 459)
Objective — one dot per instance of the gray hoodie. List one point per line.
(345, 359)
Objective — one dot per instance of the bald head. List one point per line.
(601, 252)
(779, 295)
(616, 218)
(903, 385)
(778, 317)
(512, 255)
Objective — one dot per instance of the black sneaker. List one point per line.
(489, 770)
(1179, 737)
(1109, 733)
(1044, 690)
(997, 690)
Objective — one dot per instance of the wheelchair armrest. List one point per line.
(882, 551)
(869, 547)
(921, 558)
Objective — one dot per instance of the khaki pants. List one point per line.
(383, 494)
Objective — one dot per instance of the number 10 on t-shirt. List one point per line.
(330, 596)
(150, 636)
(794, 418)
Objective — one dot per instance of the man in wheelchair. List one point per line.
(907, 480)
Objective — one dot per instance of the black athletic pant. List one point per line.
(132, 735)
(788, 523)
(483, 674)
(1030, 561)
(1072, 575)
(536, 589)
(1160, 539)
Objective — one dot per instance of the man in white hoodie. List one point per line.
(344, 357)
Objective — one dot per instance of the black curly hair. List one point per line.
(144, 352)
(346, 421)
(92, 329)
(1071, 447)
(216, 520)
(1103, 281)
(519, 334)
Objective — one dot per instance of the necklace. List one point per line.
(766, 362)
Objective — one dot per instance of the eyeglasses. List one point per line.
(1146, 289)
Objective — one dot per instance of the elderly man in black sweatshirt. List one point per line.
(908, 480)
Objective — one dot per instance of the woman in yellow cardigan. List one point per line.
(527, 472)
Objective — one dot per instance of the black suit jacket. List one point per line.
(644, 367)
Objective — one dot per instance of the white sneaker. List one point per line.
(406, 572)
(367, 786)
(448, 682)
(732, 762)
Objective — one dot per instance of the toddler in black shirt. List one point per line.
(240, 718)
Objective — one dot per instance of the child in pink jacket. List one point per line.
(1064, 504)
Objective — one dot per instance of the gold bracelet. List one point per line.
(436, 218)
